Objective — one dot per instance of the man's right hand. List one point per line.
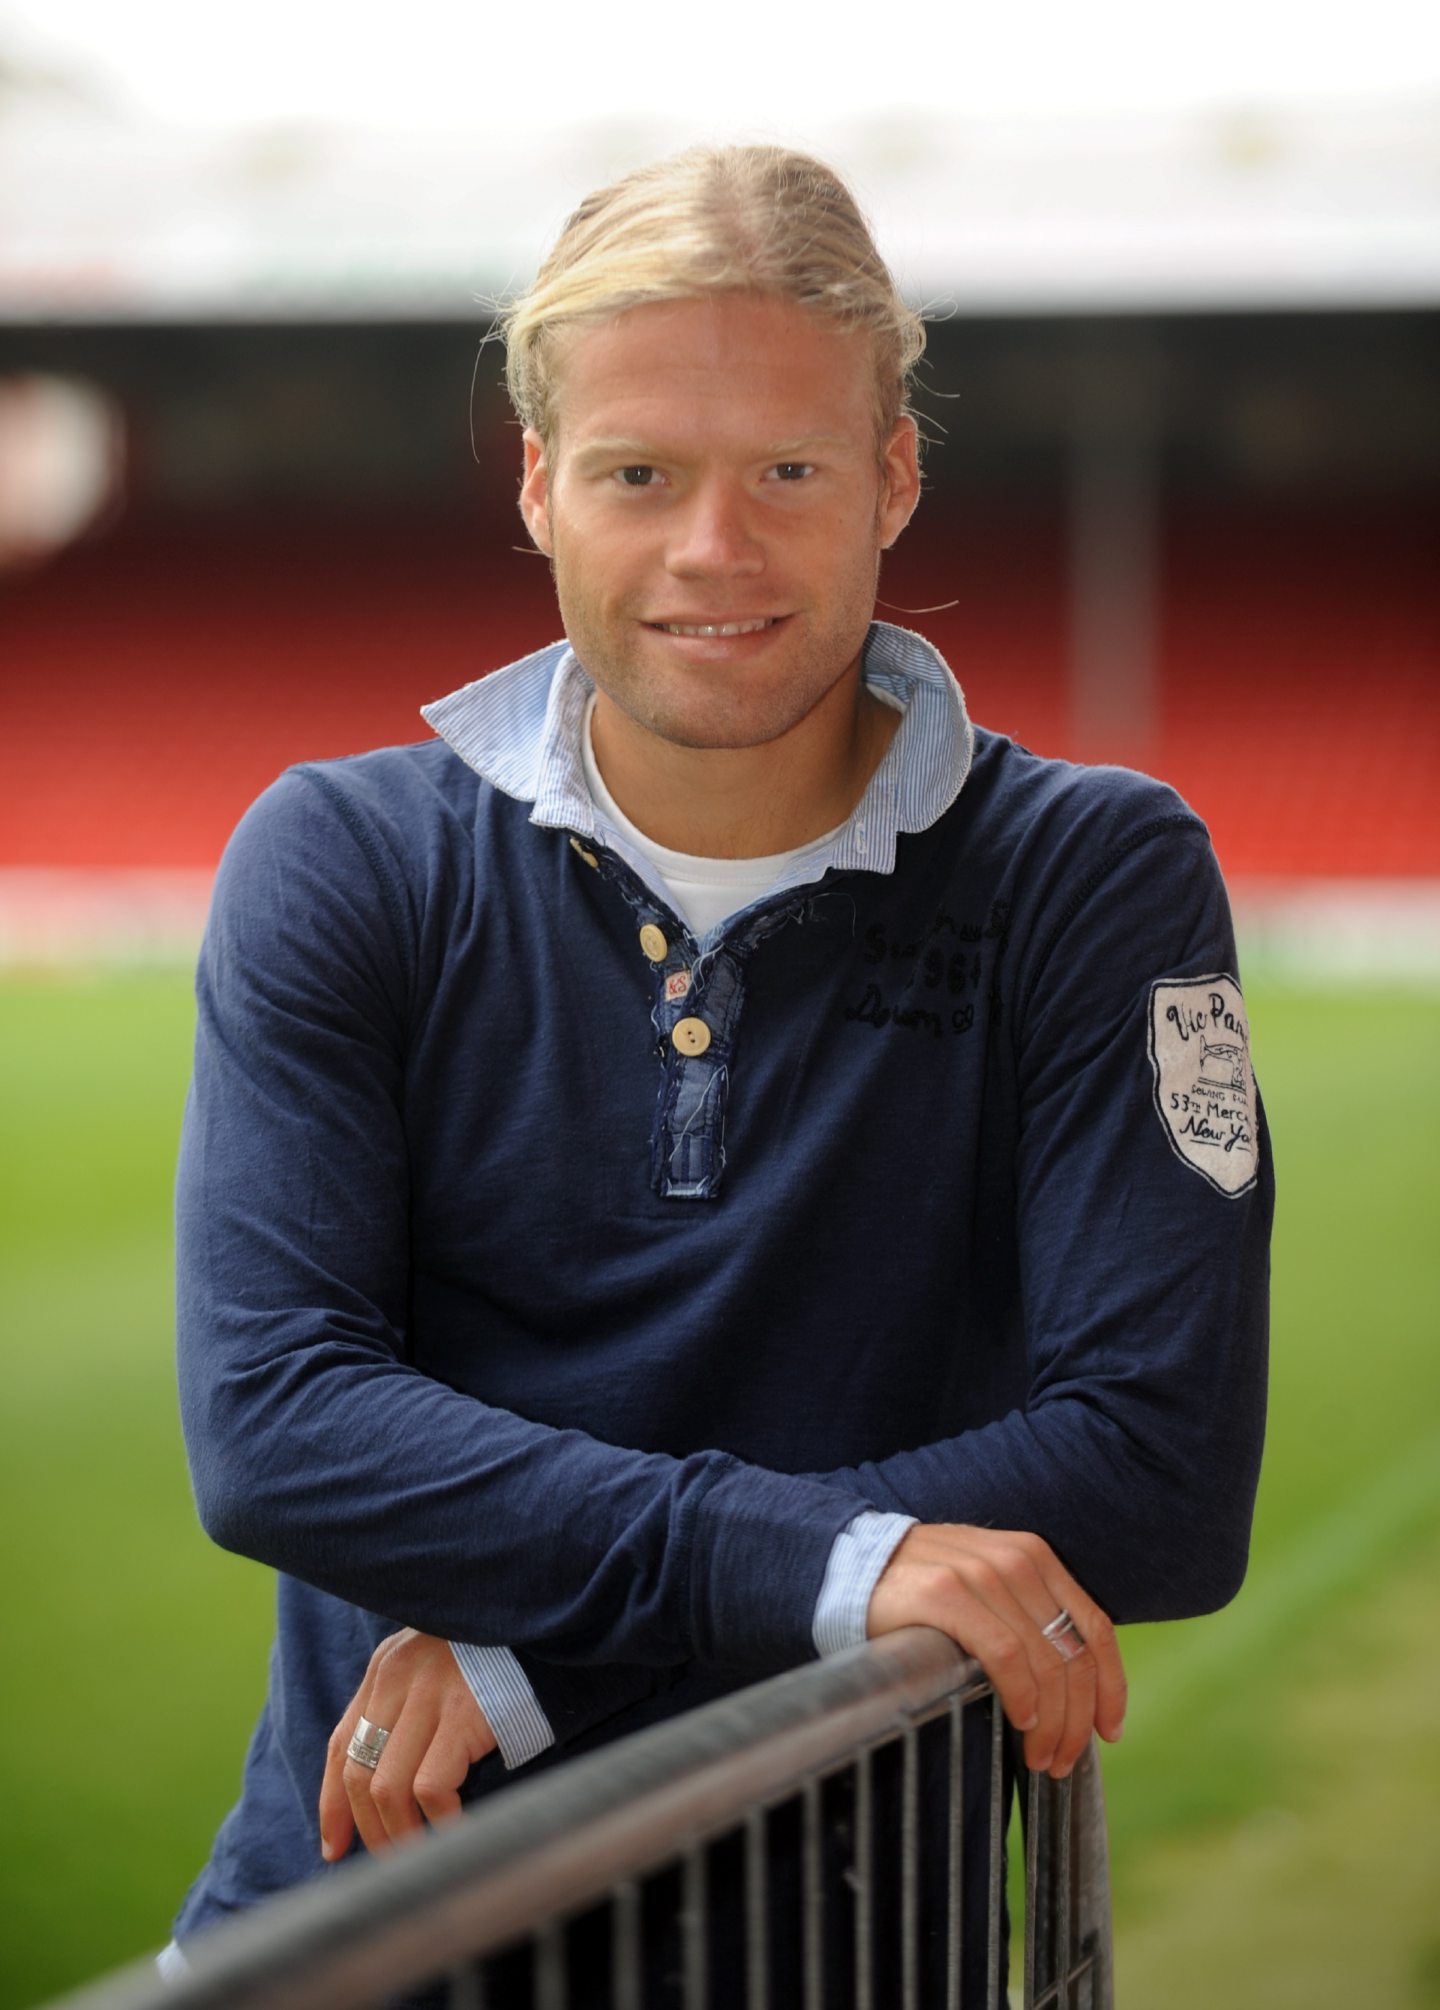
(992, 1590)
(435, 1732)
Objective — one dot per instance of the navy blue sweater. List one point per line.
(452, 1357)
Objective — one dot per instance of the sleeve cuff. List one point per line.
(858, 1556)
(512, 1709)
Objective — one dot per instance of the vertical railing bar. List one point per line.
(625, 1946)
(1064, 1898)
(864, 1881)
(997, 1855)
(812, 1898)
(551, 1988)
(1034, 1815)
(910, 1872)
(955, 1897)
(757, 1913)
(695, 1923)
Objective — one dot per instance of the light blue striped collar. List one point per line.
(520, 728)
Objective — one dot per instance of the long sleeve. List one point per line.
(316, 1444)
(1142, 1245)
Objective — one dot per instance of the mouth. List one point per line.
(714, 629)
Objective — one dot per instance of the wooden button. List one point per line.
(652, 941)
(588, 856)
(691, 1036)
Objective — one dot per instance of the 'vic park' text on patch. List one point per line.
(1204, 1084)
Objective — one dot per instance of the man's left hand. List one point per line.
(414, 1690)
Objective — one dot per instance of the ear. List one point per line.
(535, 491)
(900, 484)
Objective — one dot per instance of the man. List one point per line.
(711, 1157)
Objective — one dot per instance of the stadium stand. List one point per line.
(154, 680)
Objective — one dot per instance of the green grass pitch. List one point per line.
(1274, 1805)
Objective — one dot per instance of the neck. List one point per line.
(745, 802)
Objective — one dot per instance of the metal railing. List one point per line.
(808, 1842)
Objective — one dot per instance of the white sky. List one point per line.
(733, 67)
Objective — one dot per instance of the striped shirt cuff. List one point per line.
(858, 1556)
(512, 1710)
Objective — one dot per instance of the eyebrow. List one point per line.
(640, 453)
(633, 451)
(793, 450)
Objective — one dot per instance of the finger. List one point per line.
(337, 1824)
(1112, 1691)
(1079, 1714)
(1014, 1592)
(462, 1739)
(1102, 1654)
(359, 1779)
(442, 1774)
(392, 1784)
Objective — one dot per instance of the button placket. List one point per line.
(689, 1146)
(703, 994)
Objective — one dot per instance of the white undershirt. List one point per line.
(705, 891)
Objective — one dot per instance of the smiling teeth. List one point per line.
(719, 627)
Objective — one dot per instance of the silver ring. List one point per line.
(367, 1744)
(1064, 1636)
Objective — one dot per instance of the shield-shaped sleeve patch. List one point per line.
(1204, 1084)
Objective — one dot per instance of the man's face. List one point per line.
(713, 466)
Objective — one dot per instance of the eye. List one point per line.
(792, 471)
(639, 477)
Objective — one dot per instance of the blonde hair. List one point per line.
(755, 219)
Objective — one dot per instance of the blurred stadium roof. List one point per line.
(145, 176)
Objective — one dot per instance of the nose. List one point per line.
(714, 535)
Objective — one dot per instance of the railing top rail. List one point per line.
(554, 1844)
